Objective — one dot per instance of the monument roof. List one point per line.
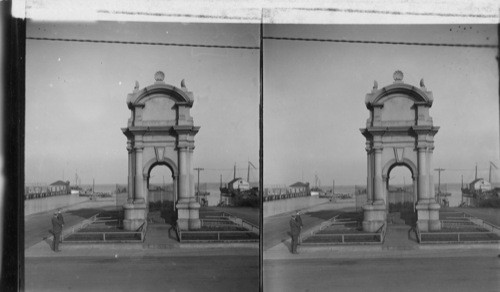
(418, 94)
(180, 95)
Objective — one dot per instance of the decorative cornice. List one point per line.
(181, 97)
(419, 96)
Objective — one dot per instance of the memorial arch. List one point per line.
(160, 131)
(400, 131)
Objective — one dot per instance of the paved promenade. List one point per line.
(159, 263)
(474, 270)
(397, 265)
(277, 238)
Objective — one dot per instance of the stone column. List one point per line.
(432, 191)
(194, 206)
(182, 190)
(130, 185)
(375, 213)
(190, 176)
(135, 211)
(183, 177)
(378, 192)
(139, 179)
(423, 194)
(434, 222)
(427, 208)
(369, 177)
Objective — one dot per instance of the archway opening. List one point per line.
(161, 194)
(401, 197)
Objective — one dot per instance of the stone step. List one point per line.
(159, 246)
(399, 247)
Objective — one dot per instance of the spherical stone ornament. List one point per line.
(159, 76)
(398, 76)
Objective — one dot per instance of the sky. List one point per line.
(314, 99)
(76, 96)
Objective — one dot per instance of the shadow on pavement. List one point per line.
(49, 242)
(286, 242)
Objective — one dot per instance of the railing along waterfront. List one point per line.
(287, 194)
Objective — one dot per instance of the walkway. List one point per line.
(277, 228)
(37, 226)
(399, 237)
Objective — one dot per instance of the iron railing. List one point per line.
(212, 220)
(77, 227)
(106, 236)
(335, 221)
(210, 233)
(463, 219)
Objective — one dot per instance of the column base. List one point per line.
(374, 216)
(134, 216)
(428, 216)
(188, 214)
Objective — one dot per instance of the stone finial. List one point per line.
(375, 85)
(136, 87)
(183, 84)
(422, 84)
(159, 76)
(398, 76)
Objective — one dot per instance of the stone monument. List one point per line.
(160, 131)
(400, 132)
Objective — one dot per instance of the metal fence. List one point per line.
(221, 219)
(103, 236)
(343, 238)
(461, 220)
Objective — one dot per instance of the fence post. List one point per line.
(104, 237)
(343, 239)
(218, 236)
(458, 235)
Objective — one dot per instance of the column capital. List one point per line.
(422, 148)
(138, 146)
(182, 148)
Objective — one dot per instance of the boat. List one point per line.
(479, 190)
(238, 192)
(316, 190)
